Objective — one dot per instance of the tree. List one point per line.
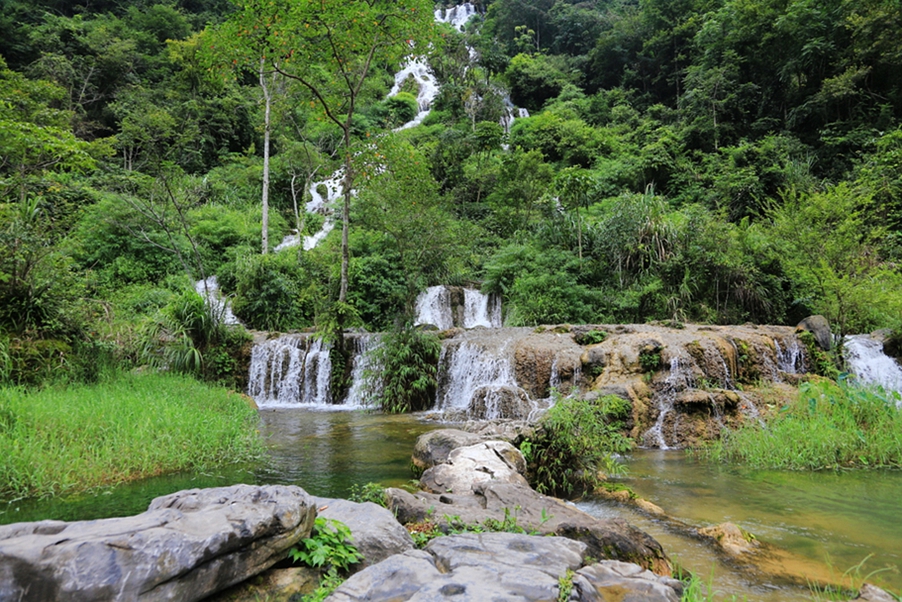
(330, 48)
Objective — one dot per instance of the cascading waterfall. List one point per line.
(434, 307)
(456, 16)
(866, 360)
(679, 379)
(318, 204)
(790, 358)
(290, 371)
(477, 378)
(209, 290)
(364, 387)
(481, 310)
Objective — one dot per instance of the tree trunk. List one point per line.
(346, 216)
(267, 97)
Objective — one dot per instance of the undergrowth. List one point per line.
(427, 530)
(829, 425)
(65, 440)
(329, 549)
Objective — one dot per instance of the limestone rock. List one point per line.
(820, 328)
(434, 447)
(496, 461)
(604, 538)
(730, 538)
(614, 580)
(187, 546)
(374, 530)
(509, 567)
(872, 593)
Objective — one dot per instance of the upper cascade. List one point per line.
(209, 290)
(871, 366)
(448, 306)
(456, 16)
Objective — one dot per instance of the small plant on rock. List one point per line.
(329, 549)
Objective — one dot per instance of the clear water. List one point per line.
(824, 519)
(323, 452)
(835, 518)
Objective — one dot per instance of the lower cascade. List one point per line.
(871, 366)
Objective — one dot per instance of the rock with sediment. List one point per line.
(467, 467)
(490, 501)
(434, 447)
(374, 530)
(502, 566)
(185, 547)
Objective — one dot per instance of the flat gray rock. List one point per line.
(496, 461)
(502, 567)
(374, 530)
(187, 546)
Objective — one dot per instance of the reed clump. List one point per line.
(830, 425)
(65, 440)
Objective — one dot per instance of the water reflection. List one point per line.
(323, 452)
(836, 518)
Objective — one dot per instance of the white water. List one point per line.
(434, 306)
(209, 290)
(290, 371)
(324, 205)
(456, 16)
(481, 371)
(790, 358)
(481, 310)
(866, 360)
(679, 379)
(364, 388)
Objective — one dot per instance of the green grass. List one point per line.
(65, 440)
(829, 425)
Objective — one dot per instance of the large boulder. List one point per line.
(434, 447)
(820, 328)
(496, 461)
(374, 531)
(502, 566)
(604, 538)
(187, 546)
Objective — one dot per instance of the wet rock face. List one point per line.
(187, 546)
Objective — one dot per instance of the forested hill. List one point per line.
(716, 161)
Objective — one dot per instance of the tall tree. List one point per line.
(331, 48)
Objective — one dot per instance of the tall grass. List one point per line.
(829, 425)
(57, 440)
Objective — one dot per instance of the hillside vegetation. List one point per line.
(718, 161)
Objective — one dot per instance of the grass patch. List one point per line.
(829, 425)
(66, 440)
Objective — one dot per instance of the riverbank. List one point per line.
(57, 441)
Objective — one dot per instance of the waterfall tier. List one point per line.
(871, 366)
(448, 306)
(209, 290)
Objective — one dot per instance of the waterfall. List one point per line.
(866, 360)
(456, 16)
(364, 387)
(434, 307)
(476, 376)
(790, 359)
(209, 290)
(481, 310)
(444, 308)
(679, 379)
(292, 370)
(318, 204)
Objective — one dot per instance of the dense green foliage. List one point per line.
(574, 441)
(706, 160)
(407, 363)
(830, 425)
(125, 428)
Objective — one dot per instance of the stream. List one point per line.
(839, 517)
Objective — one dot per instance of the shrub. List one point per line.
(268, 288)
(573, 441)
(408, 364)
